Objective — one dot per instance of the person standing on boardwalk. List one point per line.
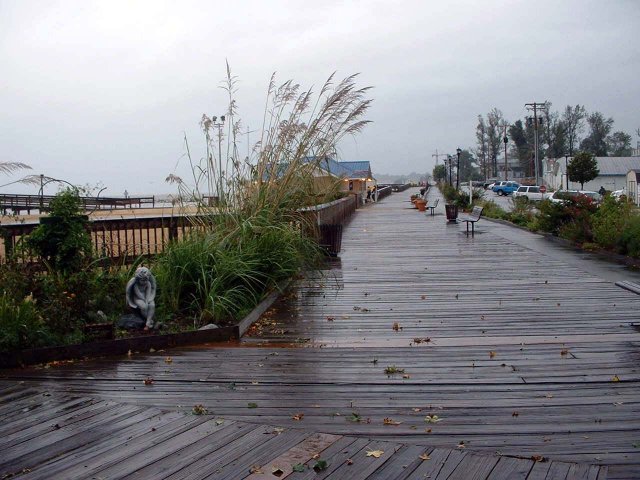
(368, 194)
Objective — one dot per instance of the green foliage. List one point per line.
(21, 325)
(439, 173)
(61, 239)
(522, 212)
(583, 168)
(629, 241)
(222, 272)
(596, 140)
(492, 210)
(570, 220)
(610, 220)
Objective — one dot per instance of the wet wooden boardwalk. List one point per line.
(500, 345)
(47, 436)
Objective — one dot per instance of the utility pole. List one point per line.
(438, 155)
(506, 140)
(535, 106)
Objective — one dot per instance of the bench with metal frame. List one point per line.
(433, 207)
(472, 218)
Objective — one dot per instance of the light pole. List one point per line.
(449, 159)
(458, 152)
(219, 126)
(506, 165)
(566, 171)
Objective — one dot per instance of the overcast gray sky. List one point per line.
(104, 91)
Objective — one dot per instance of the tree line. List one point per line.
(560, 133)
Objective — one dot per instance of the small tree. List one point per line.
(62, 240)
(583, 168)
(439, 173)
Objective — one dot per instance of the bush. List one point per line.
(570, 220)
(21, 325)
(61, 239)
(219, 274)
(609, 221)
(629, 241)
(493, 210)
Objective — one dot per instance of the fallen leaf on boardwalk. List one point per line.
(298, 416)
(198, 410)
(428, 430)
(396, 327)
(364, 310)
(278, 430)
(277, 472)
(254, 382)
(356, 308)
(320, 465)
(252, 405)
(615, 378)
(298, 467)
(354, 417)
(564, 352)
(456, 296)
(389, 421)
(515, 414)
(349, 461)
(423, 297)
(393, 369)
(219, 421)
(375, 453)
(416, 409)
(148, 381)
(432, 419)
(345, 317)
(424, 456)
(492, 354)
(330, 319)
(255, 469)
(548, 395)
(168, 360)
(461, 445)
(538, 458)
(406, 376)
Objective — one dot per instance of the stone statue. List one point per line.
(141, 291)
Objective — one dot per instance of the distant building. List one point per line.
(613, 173)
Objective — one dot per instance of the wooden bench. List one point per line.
(472, 218)
(433, 207)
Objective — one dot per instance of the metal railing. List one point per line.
(19, 203)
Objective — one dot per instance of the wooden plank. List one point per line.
(474, 467)
(299, 454)
(509, 468)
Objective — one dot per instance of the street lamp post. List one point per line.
(566, 171)
(449, 161)
(219, 126)
(458, 152)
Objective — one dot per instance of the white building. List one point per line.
(613, 173)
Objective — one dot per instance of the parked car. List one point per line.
(563, 196)
(489, 184)
(619, 193)
(530, 192)
(506, 188)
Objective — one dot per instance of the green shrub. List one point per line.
(570, 220)
(493, 210)
(21, 325)
(61, 239)
(610, 221)
(218, 274)
(629, 241)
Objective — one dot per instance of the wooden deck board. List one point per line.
(543, 363)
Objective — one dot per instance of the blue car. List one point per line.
(506, 188)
